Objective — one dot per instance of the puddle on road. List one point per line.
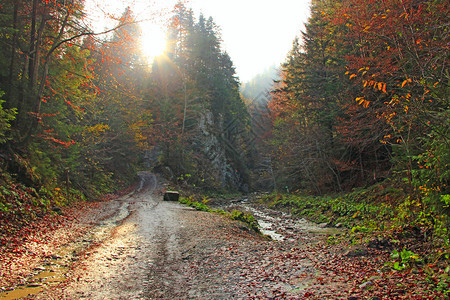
(21, 292)
(50, 276)
(106, 225)
(56, 267)
(53, 274)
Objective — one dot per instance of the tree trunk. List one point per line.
(32, 53)
(12, 62)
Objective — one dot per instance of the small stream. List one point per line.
(281, 226)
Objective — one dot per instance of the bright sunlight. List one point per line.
(153, 41)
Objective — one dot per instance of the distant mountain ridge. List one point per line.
(257, 88)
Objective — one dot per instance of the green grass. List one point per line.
(246, 218)
(381, 209)
(358, 208)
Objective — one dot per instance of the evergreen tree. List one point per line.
(310, 87)
(197, 94)
(362, 98)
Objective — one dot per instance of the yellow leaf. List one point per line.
(384, 88)
(366, 104)
(352, 76)
(362, 101)
(404, 82)
(380, 86)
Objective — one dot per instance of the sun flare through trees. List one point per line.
(359, 108)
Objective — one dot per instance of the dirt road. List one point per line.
(140, 247)
(150, 252)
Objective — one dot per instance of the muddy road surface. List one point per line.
(141, 247)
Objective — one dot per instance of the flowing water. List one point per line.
(279, 226)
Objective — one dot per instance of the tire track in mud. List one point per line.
(138, 255)
(117, 269)
(163, 250)
(163, 274)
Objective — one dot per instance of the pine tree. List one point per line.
(197, 94)
(309, 93)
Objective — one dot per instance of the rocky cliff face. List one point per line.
(209, 144)
(201, 159)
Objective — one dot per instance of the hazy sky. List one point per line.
(256, 33)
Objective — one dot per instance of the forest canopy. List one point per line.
(84, 110)
(351, 131)
(362, 99)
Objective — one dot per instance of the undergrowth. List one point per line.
(415, 234)
(24, 209)
(246, 218)
(379, 208)
(23, 206)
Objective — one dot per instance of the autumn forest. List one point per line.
(359, 112)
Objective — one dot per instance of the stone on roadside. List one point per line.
(356, 252)
(323, 225)
(171, 196)
(365, 284)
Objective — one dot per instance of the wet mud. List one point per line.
(142, 247)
